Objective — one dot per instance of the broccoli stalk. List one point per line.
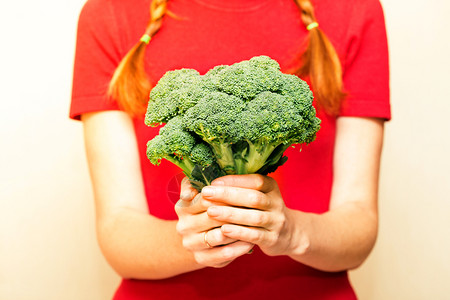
(255, 157)
(206, 168)
(185, 164)
(221, 149)
(224, 156)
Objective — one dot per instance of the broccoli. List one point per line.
(249, 78)
(181, 148)
(236, 119)
(213, 119)
(269, 122)
(175, 92)
(173, 144)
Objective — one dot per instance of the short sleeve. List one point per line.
(366, 66)
(96, 57)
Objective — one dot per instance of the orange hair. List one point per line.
(130, 86)
(320, 62)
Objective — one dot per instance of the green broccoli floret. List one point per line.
(181, 148)
(235, 119)
(246, 79)
(174, 144)
(302, 97)
(297, 90)
(202, 155)
(213, 119)
(175, 93)
(206, 168)
(269, 122)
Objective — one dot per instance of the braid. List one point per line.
(320, 62)
(129, 85)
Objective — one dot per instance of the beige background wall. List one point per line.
(47, 240)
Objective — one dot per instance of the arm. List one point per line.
(337, 240)
(136, 244)
(343, 237)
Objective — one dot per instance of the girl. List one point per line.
(306, 224)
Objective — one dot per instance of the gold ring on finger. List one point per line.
(206, 241)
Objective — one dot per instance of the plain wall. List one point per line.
(48, 248)
(411, 259)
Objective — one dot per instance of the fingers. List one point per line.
(267, 229)
(227, 218)
(187, 192)
(236, 196)
(189, 199)
(246, 217)
(257, 182)
(258, 236)
(207, 240)
(221, 256)
(195, 206)
(190, 224)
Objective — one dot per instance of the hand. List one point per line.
(253, 211)
(201, 234)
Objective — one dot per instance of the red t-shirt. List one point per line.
(211, 32)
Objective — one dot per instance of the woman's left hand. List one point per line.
(254, 212)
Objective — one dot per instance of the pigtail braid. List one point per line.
(130, 85)
(320, 62)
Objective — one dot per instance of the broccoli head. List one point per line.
(175, 93)
(213, 119)
(181, 148)
(235, 119)
(247, 79)
(174, 144)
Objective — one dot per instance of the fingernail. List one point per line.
(226, 229)
(208, 191)
(206, 203)
(186, 196)
(217, 182)
(213, 211)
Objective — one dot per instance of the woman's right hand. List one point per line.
(202, 235)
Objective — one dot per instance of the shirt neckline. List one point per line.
(232, 5)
